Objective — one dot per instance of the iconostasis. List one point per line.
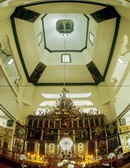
(43, 136)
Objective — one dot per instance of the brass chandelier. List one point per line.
(64, 109)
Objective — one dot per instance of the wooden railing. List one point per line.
(13, 158)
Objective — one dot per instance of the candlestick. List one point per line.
(96, 154)
(28, 154)
(82, 158)
(43, 158)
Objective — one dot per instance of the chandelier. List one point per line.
(64, 109)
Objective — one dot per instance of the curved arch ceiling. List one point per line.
(89, 45)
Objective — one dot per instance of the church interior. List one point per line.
(65, 83)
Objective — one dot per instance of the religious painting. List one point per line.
(35, 123)
(30, 147)
(125, 128)
(96, 75)
(8, 132)
(86, 123)
(102, 147)
(97, 122)
(26, 14)
(75, 124)
(125, 142)
(5, 144)
(111, 129)
(50, 134)
(37, 133)
(10, 123)
(30, 133)
(91, 122)
(98, 133)
(82, 134)
(45, 123)
(113, 144)
(53, 135)
(91, 148)
(51, 123)
(46, 134)
(40, 123)
(42, 149)
(36, 74)
(67, 133)
(80, 123)
(122, 121)
(34, 133)
(18, 145)
(66, 124)
(80, 148)
(57, 124)
(52, 148)
(102, 121)
(20, 131)
(64, 26)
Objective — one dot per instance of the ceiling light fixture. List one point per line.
(65, 58)
(64, 109)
